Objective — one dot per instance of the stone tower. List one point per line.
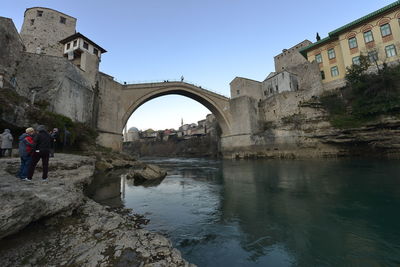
(43, 28)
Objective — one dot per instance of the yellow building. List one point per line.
(376, 35)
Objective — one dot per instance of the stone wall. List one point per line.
(65, 87)
(244, 113)
(109, 109)
(42, 33)
(11, 47)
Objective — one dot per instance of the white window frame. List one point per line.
(386, 31)
(356, 60)
(318, 58)
(331, 53)
(373, 56)
(334, 71)
(353, 42)
(390, 50)
(368, 36)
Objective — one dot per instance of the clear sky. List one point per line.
(209, 42)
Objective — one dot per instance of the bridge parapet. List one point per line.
(169, 83)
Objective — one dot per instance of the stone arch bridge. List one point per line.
(117, 102)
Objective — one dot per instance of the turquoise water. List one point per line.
(272, 213)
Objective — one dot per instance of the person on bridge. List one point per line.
(182, 78)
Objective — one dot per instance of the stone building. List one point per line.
(131, 135)
(376, 35)
(290, 57)
(245, 87)
(43, 28)
(35, 63)
(83, 52)
(276, 83)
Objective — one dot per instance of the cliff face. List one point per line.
(296, 125)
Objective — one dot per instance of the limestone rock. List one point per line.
(23, 202)
(148, 172)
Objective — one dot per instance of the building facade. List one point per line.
(278, 82)
(376, 35)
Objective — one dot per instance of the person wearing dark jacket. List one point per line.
(42, 147)
(25, 152)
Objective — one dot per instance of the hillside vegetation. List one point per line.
(367, 96)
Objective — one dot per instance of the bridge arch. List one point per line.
(137, 94)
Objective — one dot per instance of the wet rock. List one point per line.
(147, 172)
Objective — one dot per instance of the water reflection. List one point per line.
(273, 213)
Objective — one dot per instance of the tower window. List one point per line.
(95, 51)
(63, 20)
(85, 45)
(39, 13)
(32, 21)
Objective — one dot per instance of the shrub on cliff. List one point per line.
(80, 134)
(366, 96)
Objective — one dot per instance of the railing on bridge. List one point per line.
(170, 80)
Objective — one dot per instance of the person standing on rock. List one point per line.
(26, 146)
(54, 135)
(42, 147)
(6, 142)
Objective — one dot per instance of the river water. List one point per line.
(271, 213)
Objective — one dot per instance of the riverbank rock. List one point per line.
(93, 236)
(23, 202)
(147, 172)
(109, 160)
(58, 226)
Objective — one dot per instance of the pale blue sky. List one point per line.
(209, 42)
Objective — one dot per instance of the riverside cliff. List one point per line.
(67, 228)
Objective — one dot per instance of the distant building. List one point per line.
(132, 135)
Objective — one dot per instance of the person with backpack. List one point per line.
(26, 145)
(41, 151)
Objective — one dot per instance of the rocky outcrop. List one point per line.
(23, 202)
(70, 229)
(381, 137)
(148, 172)
(93, 236)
